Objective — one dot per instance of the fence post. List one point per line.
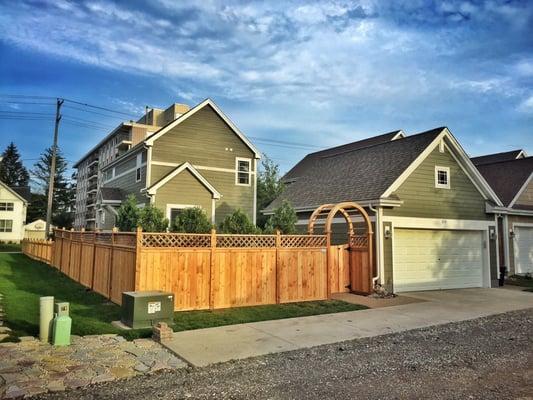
(82, 234)
(94, 257)
(278, 259)
(69, 251)
(110, 283)
(328, 264)
(211, 269)
(138, 246)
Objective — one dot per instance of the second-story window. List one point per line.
(6, 206)
(138, 167)
(243, 170)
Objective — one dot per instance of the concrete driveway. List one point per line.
(207, 346)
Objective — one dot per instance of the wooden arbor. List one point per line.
(359, 246)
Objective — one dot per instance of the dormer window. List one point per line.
(242, 173)
(442, 177)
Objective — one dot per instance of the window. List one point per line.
(242, 173)
(173, 210)
(137, 174)
(6, 225)
(442, 177)
(138, 169)
(6, 206)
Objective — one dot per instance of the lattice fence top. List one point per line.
(359, 241)
(303, 241)
(246, 241)
(175, 240)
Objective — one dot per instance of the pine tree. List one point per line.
(64, 191)
(12, 171)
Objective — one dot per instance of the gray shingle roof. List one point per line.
(497, 157)
(507, 177)
(354, 175)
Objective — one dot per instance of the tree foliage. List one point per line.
(128, 215)
(64, 190)
(152, 219)
(12, 171)
(284, 219)
(238, 223)
(192, 220)
(269, 186)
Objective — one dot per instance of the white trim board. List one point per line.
(150, 140)
(438, 223)
(199, 167)
(185, 166)
(170, 206)
(336, 220)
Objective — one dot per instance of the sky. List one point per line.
(314, 74)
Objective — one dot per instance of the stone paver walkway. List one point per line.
(31, 367)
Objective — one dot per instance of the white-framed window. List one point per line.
(173, 210)
(442, 177)
(6, 206)
(6, 225)
(243, 171)
(138, 169)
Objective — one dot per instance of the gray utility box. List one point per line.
(145, 309)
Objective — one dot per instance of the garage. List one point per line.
(523, 249)
(429, 259)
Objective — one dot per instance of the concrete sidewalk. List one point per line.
(207, 346)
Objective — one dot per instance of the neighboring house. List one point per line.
(174, 159)
(36, 229)
(13, 206)
(511, 176)
(426, 200)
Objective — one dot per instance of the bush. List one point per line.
(284, 219)
(128, 215)
(152, 219)
(192, 220)
(238, 223)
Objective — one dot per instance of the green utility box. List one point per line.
(145, 309)
(62, 325)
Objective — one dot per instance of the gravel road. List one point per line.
(487, 358)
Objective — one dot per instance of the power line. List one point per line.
(97, 107)
(28, 102)
(91, 111)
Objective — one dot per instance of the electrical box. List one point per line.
(144, 309)
(62, 325)
(62, 309)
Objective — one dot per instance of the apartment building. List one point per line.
(174, 158)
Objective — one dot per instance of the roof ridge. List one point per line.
(504, 161)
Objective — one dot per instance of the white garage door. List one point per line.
(523, 249)
(437, 259)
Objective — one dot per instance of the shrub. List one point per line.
(284, 219)
(192, 220)
(238, 223)
(128, 215)
(152, 219)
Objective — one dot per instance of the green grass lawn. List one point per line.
(23, 281)
(9, 247)
(524, 281)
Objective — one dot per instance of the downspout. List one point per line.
(377, 256)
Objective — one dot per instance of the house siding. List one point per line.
(129, 185)
(526, 197)
(184, 188)
(18, 216)
(422, 199)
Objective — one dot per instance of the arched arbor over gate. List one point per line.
(359, 247)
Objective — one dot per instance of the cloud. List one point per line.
(526, 106)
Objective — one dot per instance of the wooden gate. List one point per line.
(357, 253)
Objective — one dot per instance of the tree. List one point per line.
(128, 215)
(12, 171)
(37, 208)
(64, 191)
(269, 186)
(239, 223)
(284, 219)
(152, 219)
(191, 220)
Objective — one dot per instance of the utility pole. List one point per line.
(53, 169)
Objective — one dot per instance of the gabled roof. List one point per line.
(178, 170)
(508, 178)
(497, 157)
(22, 192)
(207, 102)
(302, 167)
(372, 172)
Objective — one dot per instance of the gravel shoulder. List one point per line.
(487, 358)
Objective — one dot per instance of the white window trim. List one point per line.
(7, 203)
(237, 172)
(442, 169)
(169, 208)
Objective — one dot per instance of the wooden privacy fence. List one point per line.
(38, 249)
(204, 271)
